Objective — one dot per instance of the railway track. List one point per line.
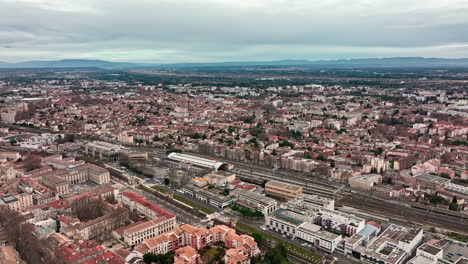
(407, 214)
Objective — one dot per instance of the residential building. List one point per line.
(17, 202)
(186, 255)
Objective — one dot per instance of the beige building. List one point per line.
(365, 182)
(17, 202)
(89, 172)
(282, 190)
(135, 235)
(9, 117)
(124, 138)
(56, 184)
(220, 178)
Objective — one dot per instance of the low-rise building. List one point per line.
(209, 197)
(321, 239)
(17, 202)
(220, 178)
(282, 190)
(186, 255)
(198, 238)
(254, 201)
(365, 182)
(394, 245)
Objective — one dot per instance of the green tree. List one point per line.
(321, 157)
(167, 181)
(454, 204)
(257, 237)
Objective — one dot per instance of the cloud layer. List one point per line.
(231, 30)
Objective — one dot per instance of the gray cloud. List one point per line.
(219, 30)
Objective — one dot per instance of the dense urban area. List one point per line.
(234, 164)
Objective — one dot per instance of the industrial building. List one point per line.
(198, 161)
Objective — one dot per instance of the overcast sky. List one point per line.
(231, 30)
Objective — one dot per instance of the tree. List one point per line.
(321, 157)
(444, 175)
(167, 258)
(167, 181)
(454, 204)
(257, 237)
(276, 255)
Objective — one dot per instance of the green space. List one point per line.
(212, 254)
(160, 189)
(385, 252)
(168, 258)
(247, 212)
(289, 246)
(459, 238)
(193, 204)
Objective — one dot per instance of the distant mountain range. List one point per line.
(67, 64)
(344, 63)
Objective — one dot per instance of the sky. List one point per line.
(168, 31)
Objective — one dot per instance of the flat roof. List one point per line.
(431, 178)
(283, 185)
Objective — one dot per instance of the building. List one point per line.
(429, 181)
(254, 201)
(313, 201)
(355, 244)
(88, 172)
(317, 237)
(186, 255)
(365, 182)
(394, 245)
(17, 202)
(213, 198)
(97, 229)
(71, 252)
(198, 161)
(57, 184)
(103, 150)
(58, 162)
(198, 238)
(138, 203)
(289, 218)
(443, 251)
(282, 190)
(220, 178)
